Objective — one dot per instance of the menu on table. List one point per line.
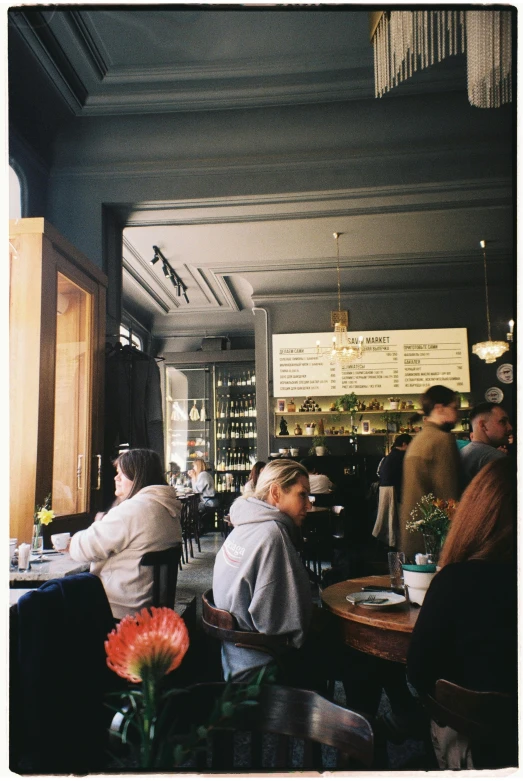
(392, 362)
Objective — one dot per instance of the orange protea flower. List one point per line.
(452, 506)
(148, 645)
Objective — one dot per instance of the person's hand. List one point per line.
(191, 473)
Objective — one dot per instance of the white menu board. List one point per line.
(392, 362)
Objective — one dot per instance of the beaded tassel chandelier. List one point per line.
(344, 349)
(407, 41)
(488, 351)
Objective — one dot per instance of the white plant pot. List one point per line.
(309, 431)
(320, 451)
(417, 584)
(394, 405)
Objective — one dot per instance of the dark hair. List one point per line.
(402, 439)
(483, 526)
(484, 407)
(437, 394)
(141, 466)
(255, 473)
(309, 464)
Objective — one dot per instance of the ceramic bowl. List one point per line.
(417, 578)
(294, 452)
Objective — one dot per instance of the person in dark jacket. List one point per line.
(390, 473)
(466, 632)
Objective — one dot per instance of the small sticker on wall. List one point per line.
(494, 395)
(505, 373)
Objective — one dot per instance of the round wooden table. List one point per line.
(384, 633)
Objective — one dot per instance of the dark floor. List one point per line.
(196, 577)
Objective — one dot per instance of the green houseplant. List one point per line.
(348, 402)
(318, 444)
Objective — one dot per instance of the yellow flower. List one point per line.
(45, 516)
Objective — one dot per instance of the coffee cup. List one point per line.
(60, 541)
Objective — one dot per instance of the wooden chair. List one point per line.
(487, 719)
(290, 714)
(165, 574)
(222, 625)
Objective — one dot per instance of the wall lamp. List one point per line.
(180, 288)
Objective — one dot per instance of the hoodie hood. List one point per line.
(250, 510)
(164, 495)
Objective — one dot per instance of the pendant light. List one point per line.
(488, 351)
(344, 349)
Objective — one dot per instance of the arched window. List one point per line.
(15, 195)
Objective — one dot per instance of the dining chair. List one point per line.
(487, 719)
(222, 625)
(301, 722)
(165, 574)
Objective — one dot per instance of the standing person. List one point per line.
(464, 639)
(431, 462)
(386, 527)
(491, 430)
(146, 517)
(258, 574)
(254, 475)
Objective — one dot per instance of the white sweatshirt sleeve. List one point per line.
(102, 539)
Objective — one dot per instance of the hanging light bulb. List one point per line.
(488, 351)
(344, 349)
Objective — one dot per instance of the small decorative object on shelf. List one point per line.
(298, 430)
(43, 515)
(394, 402)
(432, 518)
(284, 431)
(291, 406)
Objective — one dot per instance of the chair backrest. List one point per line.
(165, 574)
(290, 714)
(222, 625)
(477, 715)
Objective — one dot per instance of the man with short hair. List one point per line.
(491, 430)
(319, 483)
(431, 463)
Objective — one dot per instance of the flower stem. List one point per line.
(149, 696)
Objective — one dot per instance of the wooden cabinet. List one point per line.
(57, 334)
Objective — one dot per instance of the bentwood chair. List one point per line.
(487, 719)
(165, 574)
(285, 730)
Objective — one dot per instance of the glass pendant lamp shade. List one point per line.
(488, 351)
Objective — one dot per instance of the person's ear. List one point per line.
(275, 492)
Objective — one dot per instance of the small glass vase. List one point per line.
(432, 547)
(37, 541)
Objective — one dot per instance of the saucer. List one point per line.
(387, 599)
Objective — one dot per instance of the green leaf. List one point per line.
(227, 709)
(178, 754)
(253, 691)
(202, 732)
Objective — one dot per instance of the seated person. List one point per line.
(390, 473)
(319, 483)
(466, 632)
(254, 475)
(145, 517)
(258, 574)
(202, 483)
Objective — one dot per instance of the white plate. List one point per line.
(360, 598)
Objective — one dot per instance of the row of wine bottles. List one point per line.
(228, 379)
(237, 430)
(232, 483)
(240, 459)
(242, 407)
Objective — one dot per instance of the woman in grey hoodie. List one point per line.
(258, 574)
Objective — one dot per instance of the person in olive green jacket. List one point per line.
(431, 462)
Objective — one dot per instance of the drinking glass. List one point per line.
(396, 560)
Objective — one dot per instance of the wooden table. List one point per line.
(384, 633)
(54, 565)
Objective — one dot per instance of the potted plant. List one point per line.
(318, 446)
(392, 420)
(348, 402)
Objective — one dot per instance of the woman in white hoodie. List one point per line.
(145, 517)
